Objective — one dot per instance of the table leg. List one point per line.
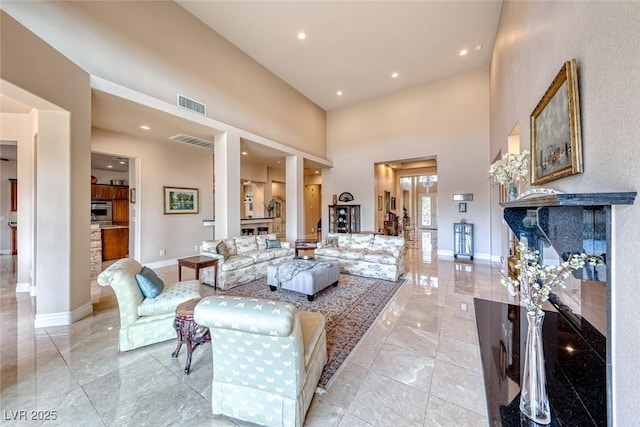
(179, 272)
(197, 268)
(178, 324)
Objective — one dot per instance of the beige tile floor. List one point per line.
(419, 365)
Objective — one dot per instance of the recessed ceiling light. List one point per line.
(394, 75)
(317, 171)
(463, 52)
(478, 48)
(339, 93)
(145, 127)
(302, 35)
(109, 166)
(244, 153)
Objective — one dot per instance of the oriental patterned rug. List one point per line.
(349, 309)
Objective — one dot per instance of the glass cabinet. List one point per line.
(344, 218)
(463, 240)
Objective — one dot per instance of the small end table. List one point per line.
(187, 331)
(198, 262)
(305, 245)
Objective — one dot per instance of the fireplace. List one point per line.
(558, 225)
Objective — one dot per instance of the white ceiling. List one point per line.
(350, 46)
(354, 46)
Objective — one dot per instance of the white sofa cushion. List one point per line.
(246, 244)
(390, 244)
(167, 301)
(353, 254)
(261, 239)
(361, 241)
(260, 256)
(237, 262)
(380, 257)
(329, 251)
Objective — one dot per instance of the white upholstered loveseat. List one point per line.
(365, 254)
(243, 259)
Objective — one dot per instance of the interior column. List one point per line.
(227, 185)
(295, 197)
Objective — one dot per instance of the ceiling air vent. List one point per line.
(192, 140)
(192, 105)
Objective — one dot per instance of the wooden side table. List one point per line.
(305, 245)
(187, 331)
(198, 262)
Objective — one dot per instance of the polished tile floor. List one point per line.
(419, 365)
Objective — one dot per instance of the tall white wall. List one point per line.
(59, 90)
(448, 118)
(159, 49)
(158, 164)
(534, 39)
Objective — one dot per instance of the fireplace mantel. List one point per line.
(574, 199)
(573, 224)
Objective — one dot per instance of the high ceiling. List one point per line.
(355, 46)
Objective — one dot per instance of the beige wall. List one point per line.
(159, 49)
(533, 41)
(59, 90)
(158, 164)
(448, 118)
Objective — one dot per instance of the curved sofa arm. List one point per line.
(253, 315)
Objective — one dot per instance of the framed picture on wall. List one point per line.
(393, 203)
(379, 203)
(556, 142)
(179, 200)
(462, 207)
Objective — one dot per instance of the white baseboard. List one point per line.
(23, 287)
(163, 263)
(63, 318)
(5, 251)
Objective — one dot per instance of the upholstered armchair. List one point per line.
(144, 321)
(267, 358)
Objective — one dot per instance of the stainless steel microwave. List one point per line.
(100, 211)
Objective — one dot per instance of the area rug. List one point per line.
(349, 309)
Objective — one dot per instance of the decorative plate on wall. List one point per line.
(346, 197)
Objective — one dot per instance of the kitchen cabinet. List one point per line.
(109, 192)
(101, 192)
(115, 243)
(120, 212)
(120, 192)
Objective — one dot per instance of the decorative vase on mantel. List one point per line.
(512, 191)
(534, 401)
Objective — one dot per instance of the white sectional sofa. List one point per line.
(365, 254)
(243, 259)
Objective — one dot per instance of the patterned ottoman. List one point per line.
(305, 276)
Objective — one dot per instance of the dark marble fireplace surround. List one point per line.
(576, 354)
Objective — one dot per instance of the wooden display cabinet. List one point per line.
(344, 218)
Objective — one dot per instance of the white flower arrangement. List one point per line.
(535, 281)
(510, 168)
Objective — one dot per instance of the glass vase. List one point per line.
(512, 191)
(534, 401)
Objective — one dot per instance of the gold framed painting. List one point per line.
(180, 200)
(556, 142)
